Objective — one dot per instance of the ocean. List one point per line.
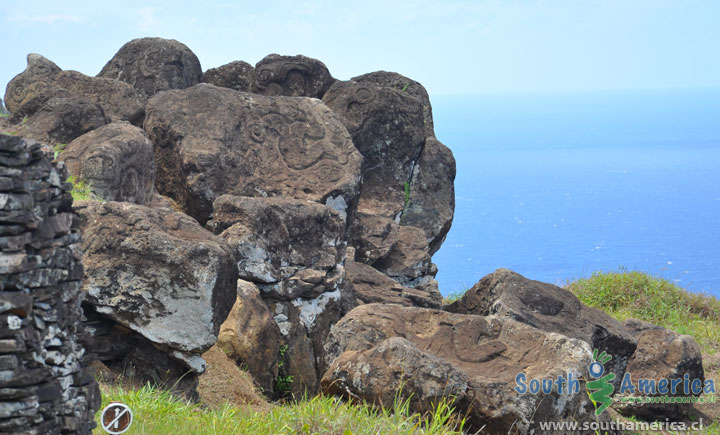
(557, 186)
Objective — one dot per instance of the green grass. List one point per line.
(57, 149)
(157, 412)
(630, 294)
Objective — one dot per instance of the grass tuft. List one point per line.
(81, 190)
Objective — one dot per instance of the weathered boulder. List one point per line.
(386, 126)
(117, 160)
(154, 65)
(210, 141)
(397, 81)
(45, 382)
(3, 110)
(661, 354)
(292, 76)
(251, 338)
(62, 119)
(43, 80)
(234, 75)
(378, 351)
(550, 309)
(156, 272)
(368, 285)
(293, 251)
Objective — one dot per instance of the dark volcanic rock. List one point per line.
(234, 75)
(62, 119)
(550, 309)
(154, 65)
(117, 160)
(158, 273)
(661, 354)
(43, 80)
(371, 286)
(292, 76)
(210, 141)
(45, 383)
(386, 126)
(378, 349)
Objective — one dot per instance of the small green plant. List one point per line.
(4, 115)
(57, 149)
(81, 190)
(405, 87)
(284, 381)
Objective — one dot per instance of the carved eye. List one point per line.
(264, 75)
(363, 95)
(257, 132)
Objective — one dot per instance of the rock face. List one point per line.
(117, 160)
(294, 251)
(210, 141)
(550, 309)
(43, 80)
(251, 337)
(62, 119)
(158, 273)
(45, 386)
(378, 349)
(234, 75)
(372, 286)
(292, 76)
(154, 65)
(661, 354)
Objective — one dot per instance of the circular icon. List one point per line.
(596, 369)
(116, 418)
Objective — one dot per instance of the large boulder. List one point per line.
(210, 141)
(234, 75)
(550, 309)
(661, 354)
(43, 80)
(157, 273)
(62, 119)
(251, 338)
(292, 76)
(154, 65)
(379, 351)
(293, 251)
(369, 285)
(117, 161)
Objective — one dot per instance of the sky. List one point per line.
(452, 47)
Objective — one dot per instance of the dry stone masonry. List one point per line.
(45, 386)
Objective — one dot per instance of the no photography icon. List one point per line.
(116, 418)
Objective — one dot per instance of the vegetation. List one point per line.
(57, 149)
(630, 294)
(81, 189)
(157, 412)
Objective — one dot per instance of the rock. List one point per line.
(43, 80)
(210, 141)
(3, 110)
(62, 119)
(398, 251)
(290, 248)
(293, 251)
(250, 337)
(154, 65)
(661, 354)
(158, 273)
(46, 385)
(397, 81)
(550, 309)
(369, 285)
(386, 126)
(377, 350)
(234, 75)
(431, 203)
(292, 76)
(117, 160)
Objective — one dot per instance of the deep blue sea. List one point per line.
(556, 186)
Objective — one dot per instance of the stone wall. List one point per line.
(45, 386)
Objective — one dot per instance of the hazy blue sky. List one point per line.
(453, 47)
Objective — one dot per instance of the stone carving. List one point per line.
(117, 161)
(234, 75)
(62, 119)
(292, 76)
(210, 141)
